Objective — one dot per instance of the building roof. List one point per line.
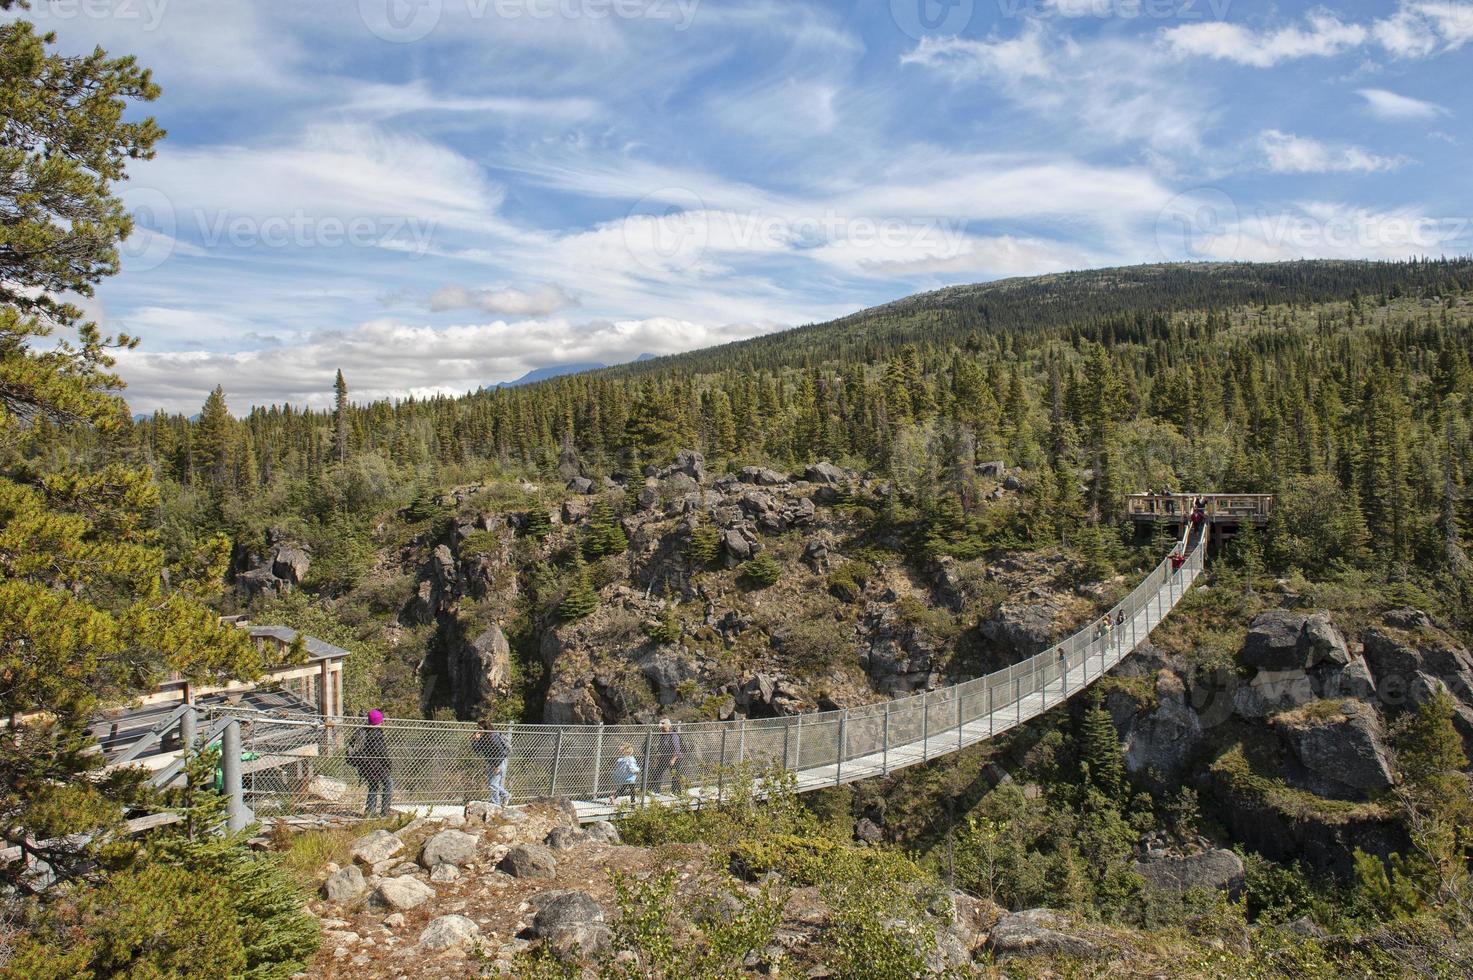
(316, 649)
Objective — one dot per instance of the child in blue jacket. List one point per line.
(626, 774)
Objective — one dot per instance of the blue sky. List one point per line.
(439, 194)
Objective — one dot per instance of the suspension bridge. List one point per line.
(278, 762)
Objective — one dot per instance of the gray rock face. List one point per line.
(403, 893)
(1215, 870)
(449, 932)
(1272, 691)
(582, 484)
(449, 847)
(736, 545)
(1036, 932)
(679, 484)
(529, 861)
(1165, 738)
(256, 582)
(484, 670)
(1323, 641)
(666, 670)
(1342, 755)
(376, 847)
(690, 463)
(994, 468)
(1023, 630)
(569, 922)
(761, 475)
(1273, 641)
(290, 564)
(344, 885)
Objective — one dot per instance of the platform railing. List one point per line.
(307, 763)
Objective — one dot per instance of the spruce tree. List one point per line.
(579, 599)
(605, 535)
(1103, 767)
(538, 524)
(340, 418)
(763, 570)
(705, 542)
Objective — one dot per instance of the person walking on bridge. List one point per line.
(668, 753)
(493, 745)
(368, 752)
(626, 774)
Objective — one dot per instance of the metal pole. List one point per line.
(721, 766)
(885, 747)
(798, 745)
(787, 731)
(925, 727)
(958, 691)
(1018, 700)
(188, 729)
(557, 759)
(238, 815)
(991, 691)
(741, 741)
(843, 734)
(644, 771)
(598, 758)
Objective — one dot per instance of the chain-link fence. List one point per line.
(292, 764)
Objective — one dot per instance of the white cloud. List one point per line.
(1323, 35)
(1287, 153)
(1391, 106)
(538, 301)
(386, 359)
(1024, 56)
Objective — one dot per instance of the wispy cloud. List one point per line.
(1391, 106)
(510, 301)
(1287, 153)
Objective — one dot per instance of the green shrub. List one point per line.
(665, 629)
(579, 599)
(763, 571)
(705, 542)
(848, 580)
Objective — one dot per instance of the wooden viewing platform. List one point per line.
(1223, 513)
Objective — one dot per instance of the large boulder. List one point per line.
(403, 893)
(1036, 932)
(344, 885)
(485, 667)
(1214, 870)
(1274, 641)
(1323, 642)
(257, 582)
(690, 463)
(1339, 749)
(449, 932)
(529, 861)
(583, 485)
(376, 847)
(738, 548)
(826, 473)
(1272, 691)
(569, 922)
(449, 847)
(761, 475)
(666, 670)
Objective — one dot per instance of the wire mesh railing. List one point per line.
(305, 763)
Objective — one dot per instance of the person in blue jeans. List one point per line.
(626, 774)
(493, 745)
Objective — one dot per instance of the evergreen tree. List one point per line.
(763, 570)
(1102, 766)
(605, 535)
(705, 542)
(214, 442)
(340, 418)
(579, 599)
(83, 610)
(538, 525)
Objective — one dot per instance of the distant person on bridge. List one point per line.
(1063, 669)
(1177, 561)
(668, 753)
(492, 744)
(368, 752)
(626, 774)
